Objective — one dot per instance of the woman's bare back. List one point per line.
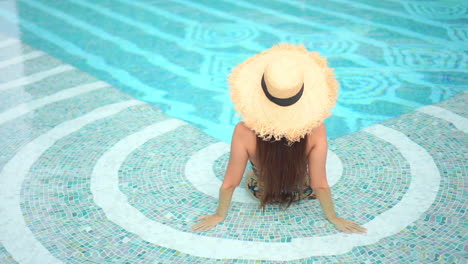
(250, 141)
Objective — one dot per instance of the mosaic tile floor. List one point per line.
(90, 175)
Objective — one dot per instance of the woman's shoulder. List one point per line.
(243, 130)
(245, 135)
(318, 134)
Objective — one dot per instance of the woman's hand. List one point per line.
(348, 226)
(209, 221)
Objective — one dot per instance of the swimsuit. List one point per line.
(256, 188)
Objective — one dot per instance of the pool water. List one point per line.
(115, 124)
(389, 59)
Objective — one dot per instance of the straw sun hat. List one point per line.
(285, 91)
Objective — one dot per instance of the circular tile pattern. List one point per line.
(61, 192)
(115, 205)
(271, 237)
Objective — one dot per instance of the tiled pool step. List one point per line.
(85, 177)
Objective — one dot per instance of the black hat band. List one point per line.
(281, 101)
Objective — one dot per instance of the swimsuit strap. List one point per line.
(253, 168)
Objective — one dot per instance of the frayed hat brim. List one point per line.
(292, 122)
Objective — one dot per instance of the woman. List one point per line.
(283, 95)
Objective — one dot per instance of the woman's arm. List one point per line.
(326, 201)
(318, 182)
(235, 170)
(225, 197)
(209, 221)
(317, 172)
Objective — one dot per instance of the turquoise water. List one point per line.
(390, 57)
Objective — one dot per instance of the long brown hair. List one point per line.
(282, 170)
